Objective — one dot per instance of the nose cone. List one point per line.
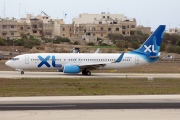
(9, 63)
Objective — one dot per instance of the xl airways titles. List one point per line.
(84, 62)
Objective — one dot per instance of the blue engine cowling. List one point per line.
(71, 69)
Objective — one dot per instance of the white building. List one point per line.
(174, 30)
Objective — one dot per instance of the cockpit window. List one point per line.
(15, 59)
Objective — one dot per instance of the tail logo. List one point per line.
(150, 49)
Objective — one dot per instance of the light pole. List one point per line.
(19, 10)
(13, 44)
(13, 47)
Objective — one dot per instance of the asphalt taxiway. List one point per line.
(16, 74)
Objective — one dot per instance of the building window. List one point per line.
(104, 17)
(4, 34)
(12, 33)
(63, 35)
(123, 27)
(70, 29)
(63, 29)
(101, 28)
(117, 29)
(132, 26)
(124, 33)
(28, 27)
(114, 22)
(34, 31)
(109, 29)
(21, 28)
(4, 27)
(100, 22)
(101, 35)
(107, 16)
(34, 26)
(12, 26)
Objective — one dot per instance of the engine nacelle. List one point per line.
(71, 69)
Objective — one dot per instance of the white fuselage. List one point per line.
(59, 60)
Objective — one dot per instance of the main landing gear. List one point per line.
(86, 72)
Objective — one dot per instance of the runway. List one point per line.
(128, 107)
(90, 106)
(16, 74)
(91, 102)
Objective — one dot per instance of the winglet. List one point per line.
(97, 51)
(120, 57)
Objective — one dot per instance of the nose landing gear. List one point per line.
(22, 72)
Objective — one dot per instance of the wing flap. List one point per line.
(92, 65)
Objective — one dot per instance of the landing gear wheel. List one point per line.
(84, 72)
(88, 73)
(22, 72)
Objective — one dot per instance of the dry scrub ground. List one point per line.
(158, 67)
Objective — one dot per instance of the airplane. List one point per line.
(74, 63)
(97, 51)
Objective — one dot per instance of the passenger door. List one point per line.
(137, 60)
(26, 59)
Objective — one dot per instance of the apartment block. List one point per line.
(87, 26)
(67, 30)
(8, 27)
(174, 31)
(41, 25)
(100, 25)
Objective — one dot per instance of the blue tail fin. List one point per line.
(151, 46)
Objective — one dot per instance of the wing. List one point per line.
(94, 66)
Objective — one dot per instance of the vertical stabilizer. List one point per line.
(151, 46)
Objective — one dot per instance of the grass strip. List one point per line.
(77, 87)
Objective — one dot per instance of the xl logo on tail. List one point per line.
(150, 49)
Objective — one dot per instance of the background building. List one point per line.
(174, 31)
(87, 27)
(91, 26)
